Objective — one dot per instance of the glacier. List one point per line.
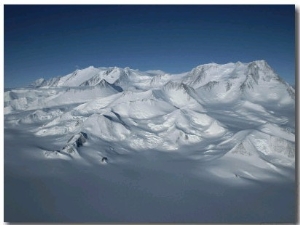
(108, 144)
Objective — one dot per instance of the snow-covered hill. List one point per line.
(236, 121)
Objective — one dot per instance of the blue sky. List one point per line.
(48, 41)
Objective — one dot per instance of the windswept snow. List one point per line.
(116, 144)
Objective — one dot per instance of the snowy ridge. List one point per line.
(212, 112)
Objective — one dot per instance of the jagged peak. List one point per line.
(37, 83)
(258, 63)
(208, 65)
(261, 63)
(104, 84)
(202, 68)
(239, 63)
(87, 68)
(260, 69)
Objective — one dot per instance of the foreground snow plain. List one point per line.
(216, 144)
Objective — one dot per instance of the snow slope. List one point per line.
(135, 146)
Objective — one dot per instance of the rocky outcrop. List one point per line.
(75, 142)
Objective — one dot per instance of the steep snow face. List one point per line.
(180, 95)
(212, 110)
(227, 83)
(203, 74)
(106, 128)
(80, 95)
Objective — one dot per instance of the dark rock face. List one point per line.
(104, 159)
(74, 142)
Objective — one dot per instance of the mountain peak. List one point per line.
(37, 83)
(260, 63)
(260, 69)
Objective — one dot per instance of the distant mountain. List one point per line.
(244, 76)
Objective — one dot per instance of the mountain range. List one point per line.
(211, 103)
(237, 120)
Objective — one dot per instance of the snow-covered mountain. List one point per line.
(237, 119)
(154, 110)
